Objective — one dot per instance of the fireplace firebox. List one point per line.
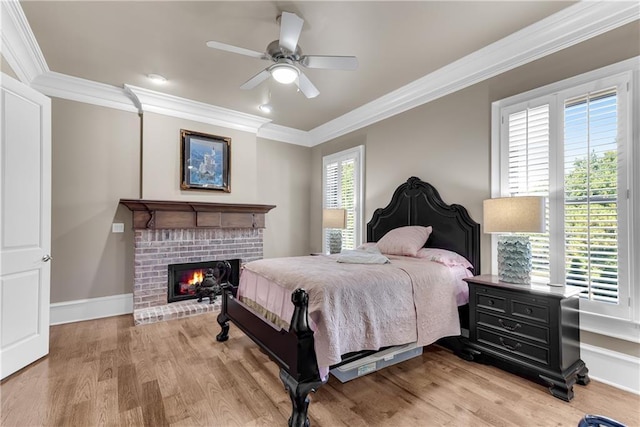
(183, 278)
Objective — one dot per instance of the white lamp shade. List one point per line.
(334, 218)
(524, 214)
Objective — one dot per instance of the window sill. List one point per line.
(616, 328)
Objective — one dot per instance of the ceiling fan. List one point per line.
(286, 55)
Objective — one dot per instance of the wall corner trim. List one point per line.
(170, 105)
(19, 45)
(91, 308)
(285, 134)
(77, 89)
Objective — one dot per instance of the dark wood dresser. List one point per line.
(531, 330)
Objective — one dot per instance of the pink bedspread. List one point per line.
(356, 307)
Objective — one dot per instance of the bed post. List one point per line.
(223, 318)
(305, 377)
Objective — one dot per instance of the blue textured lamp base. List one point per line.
(335, 241)
(514, 259)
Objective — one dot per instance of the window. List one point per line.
(571, 142)
(342, 188)
(591, 194)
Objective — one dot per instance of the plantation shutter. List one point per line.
(342, 190)
(528, 172)
(348, 202)
(591, 194)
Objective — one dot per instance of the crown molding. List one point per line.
(285, 134)
(82, 90)
(563, 29)
(170, 105)
(19, 46)
(572, 25)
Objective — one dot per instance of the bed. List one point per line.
(414, 203)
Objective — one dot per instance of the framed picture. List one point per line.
(205, 161)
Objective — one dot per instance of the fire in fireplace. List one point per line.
(183, 278)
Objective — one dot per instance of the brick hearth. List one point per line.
(156, 249)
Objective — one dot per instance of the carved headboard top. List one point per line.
(418, 203)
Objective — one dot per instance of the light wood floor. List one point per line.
(108, 372)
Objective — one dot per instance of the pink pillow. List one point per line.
(405, 241)
(444, 256)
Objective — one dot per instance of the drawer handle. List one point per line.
(509, 328)
(528, 310)
(510, 347)
(491, 302)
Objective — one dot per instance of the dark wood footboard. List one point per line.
(292, 350)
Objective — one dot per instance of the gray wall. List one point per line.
(447, 142)
(96, 162)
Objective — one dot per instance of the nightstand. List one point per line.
(531, 330)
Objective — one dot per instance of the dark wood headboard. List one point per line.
(418, 203)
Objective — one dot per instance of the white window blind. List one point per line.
(528, 172)
(342, 189)
(591, 194)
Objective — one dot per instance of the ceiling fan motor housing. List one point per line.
(275, 51)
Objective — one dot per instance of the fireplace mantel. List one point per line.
(164, 214)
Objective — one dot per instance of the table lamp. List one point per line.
(507, 215)
(335, 219)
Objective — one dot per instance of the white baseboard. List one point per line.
(92, 308)
(610, 367)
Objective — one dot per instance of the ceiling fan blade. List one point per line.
(256, 80)
(330, 62)
(290, 29)
(306, 87)
(236, 49)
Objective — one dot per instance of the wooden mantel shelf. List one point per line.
(163, 214)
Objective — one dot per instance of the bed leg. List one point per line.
(298, 392)
(223, 321)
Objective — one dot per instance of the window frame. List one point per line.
(625, 322)
(356, 153)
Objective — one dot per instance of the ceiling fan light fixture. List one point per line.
(284, 73)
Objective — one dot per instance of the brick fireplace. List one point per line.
(184, 232)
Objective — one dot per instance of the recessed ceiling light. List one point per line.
(157, 78)
(266, 108)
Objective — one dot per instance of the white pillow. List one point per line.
(443, 256)
(405, 241)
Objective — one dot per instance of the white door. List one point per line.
(25, 225)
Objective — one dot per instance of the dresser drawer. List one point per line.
(486, 298)
(514, 326)
(527, 309)
(513, 346)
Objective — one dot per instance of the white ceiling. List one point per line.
(120, 42)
